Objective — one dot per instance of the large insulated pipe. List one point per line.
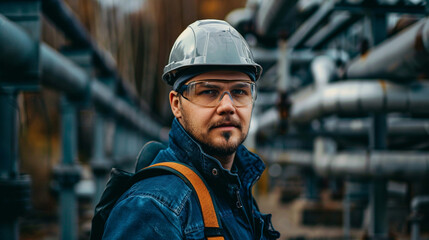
(375, 164)
(358, 98)
(404, 127)
(338, 23)
(309, 26)
(61, 74)
(265, 121)
(17, 49)
(300, 158)
(403, 57)
(270, 14)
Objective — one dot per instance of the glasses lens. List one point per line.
(209, 93)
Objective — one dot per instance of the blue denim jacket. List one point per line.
(164, 207)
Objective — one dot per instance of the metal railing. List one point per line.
(385, 80)
(27, 64)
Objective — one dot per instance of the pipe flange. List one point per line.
(67, 176)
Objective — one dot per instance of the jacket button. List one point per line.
(214, 172)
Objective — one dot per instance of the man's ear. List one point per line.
(175, 104)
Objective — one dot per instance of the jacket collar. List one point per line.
(247, 166)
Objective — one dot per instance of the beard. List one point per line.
(226, 147)
(222, 150)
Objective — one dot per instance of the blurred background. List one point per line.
(341, 120)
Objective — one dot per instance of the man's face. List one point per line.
(219, 129)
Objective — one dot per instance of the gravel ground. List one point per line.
(286, 219)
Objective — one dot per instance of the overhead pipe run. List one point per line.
(270, 13)
(17, 49)
(339, 22)
(294, 157)
(358, 98)
(404, 127)
(307, 28)
(400, 165)
(376, 164)
(63, 18)
(60, 73)
(76, 83)
(402, 57)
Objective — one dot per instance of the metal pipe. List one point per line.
(68, 198)
(380, 164)
(360, 127)
(8, 159)
(17, 49)
(60, 73)
(306, 29)
(299, 158)
(269, 120)
(377, 164)
(378, 185)
(359, 164)
(416, 204)
(270, 14)
(358, 98)
(338, 23)
(296, 57)
(99, 163)
(402, 57)
(323, 69)
(76, 83)
(63, 18)
(378, 228)
(61, 15)
(9, 134)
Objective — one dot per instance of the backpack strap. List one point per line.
(212, 225)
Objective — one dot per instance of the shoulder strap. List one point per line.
(213, 227)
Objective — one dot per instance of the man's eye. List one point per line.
(208, 92)
(239, 92)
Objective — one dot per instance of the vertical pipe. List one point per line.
(9, 229)
(346, 213)
(68, 215)
(8, 154)
(100, 166)
(311, 186)
(117, 142)
(377, 141)
(283, 68)
(9, 134)
(68, 200)
(415, 230)
(418, 204)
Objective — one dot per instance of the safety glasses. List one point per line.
(208, 93)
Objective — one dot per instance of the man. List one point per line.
(213, 76)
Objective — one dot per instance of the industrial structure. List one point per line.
(343, 104)
(345, 97)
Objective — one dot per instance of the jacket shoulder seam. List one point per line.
(147, 195)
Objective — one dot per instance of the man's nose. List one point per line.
(226, 103)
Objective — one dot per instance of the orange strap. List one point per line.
(206, 202)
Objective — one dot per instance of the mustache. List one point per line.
(226, 121)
